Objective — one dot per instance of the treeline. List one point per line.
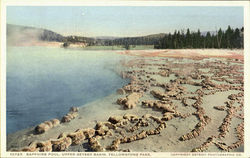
(230, 38)
(143, 40)
(74, 39)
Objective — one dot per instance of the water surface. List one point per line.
(43, 83)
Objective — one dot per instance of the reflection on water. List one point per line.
(42, 83)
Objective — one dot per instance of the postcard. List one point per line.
(124, 78)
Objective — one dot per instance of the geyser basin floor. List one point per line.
(198, 111)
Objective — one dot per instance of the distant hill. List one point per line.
(159, 35)
(107, 37)
(140, 40)
(21, 34)
(17, 34)
(204, 33)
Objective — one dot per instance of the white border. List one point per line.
(246, 77)
(121, 3)
(245, 4)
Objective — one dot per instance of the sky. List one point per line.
(124, 21)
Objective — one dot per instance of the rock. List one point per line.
(203, 147)
(156, 119)
(184, 102)
(148, 103)
(55, 122)
(158, 94)
(150, 132)
(115, 145)
(167, 116)
(109, 125)
(130, 101)
(76, 137)
(41, 128)
(221, 108)
(62, 143)
(45, 126)
(221, 146)
(131, 88)
(161, 105)
(121, 91)
(163, 73)
(73, 109)
(101, 132)
(89, 132)
(232, 96)
(95, 145)
(73, 113)
(115, 119)
(121, 101)
(141, 135)
(45, 146)
(68, 117)
(131, 117)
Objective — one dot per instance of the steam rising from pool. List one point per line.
(42, 83)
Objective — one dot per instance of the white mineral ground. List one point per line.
(211, 80)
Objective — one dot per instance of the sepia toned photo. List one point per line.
(124, 79)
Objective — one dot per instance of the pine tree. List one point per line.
(228, 38)
(175, 39)
(188, 38)
(236, 39)
(242, 37)
(219, 38)
(208, 40)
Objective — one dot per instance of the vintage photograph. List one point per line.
(125, 78)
